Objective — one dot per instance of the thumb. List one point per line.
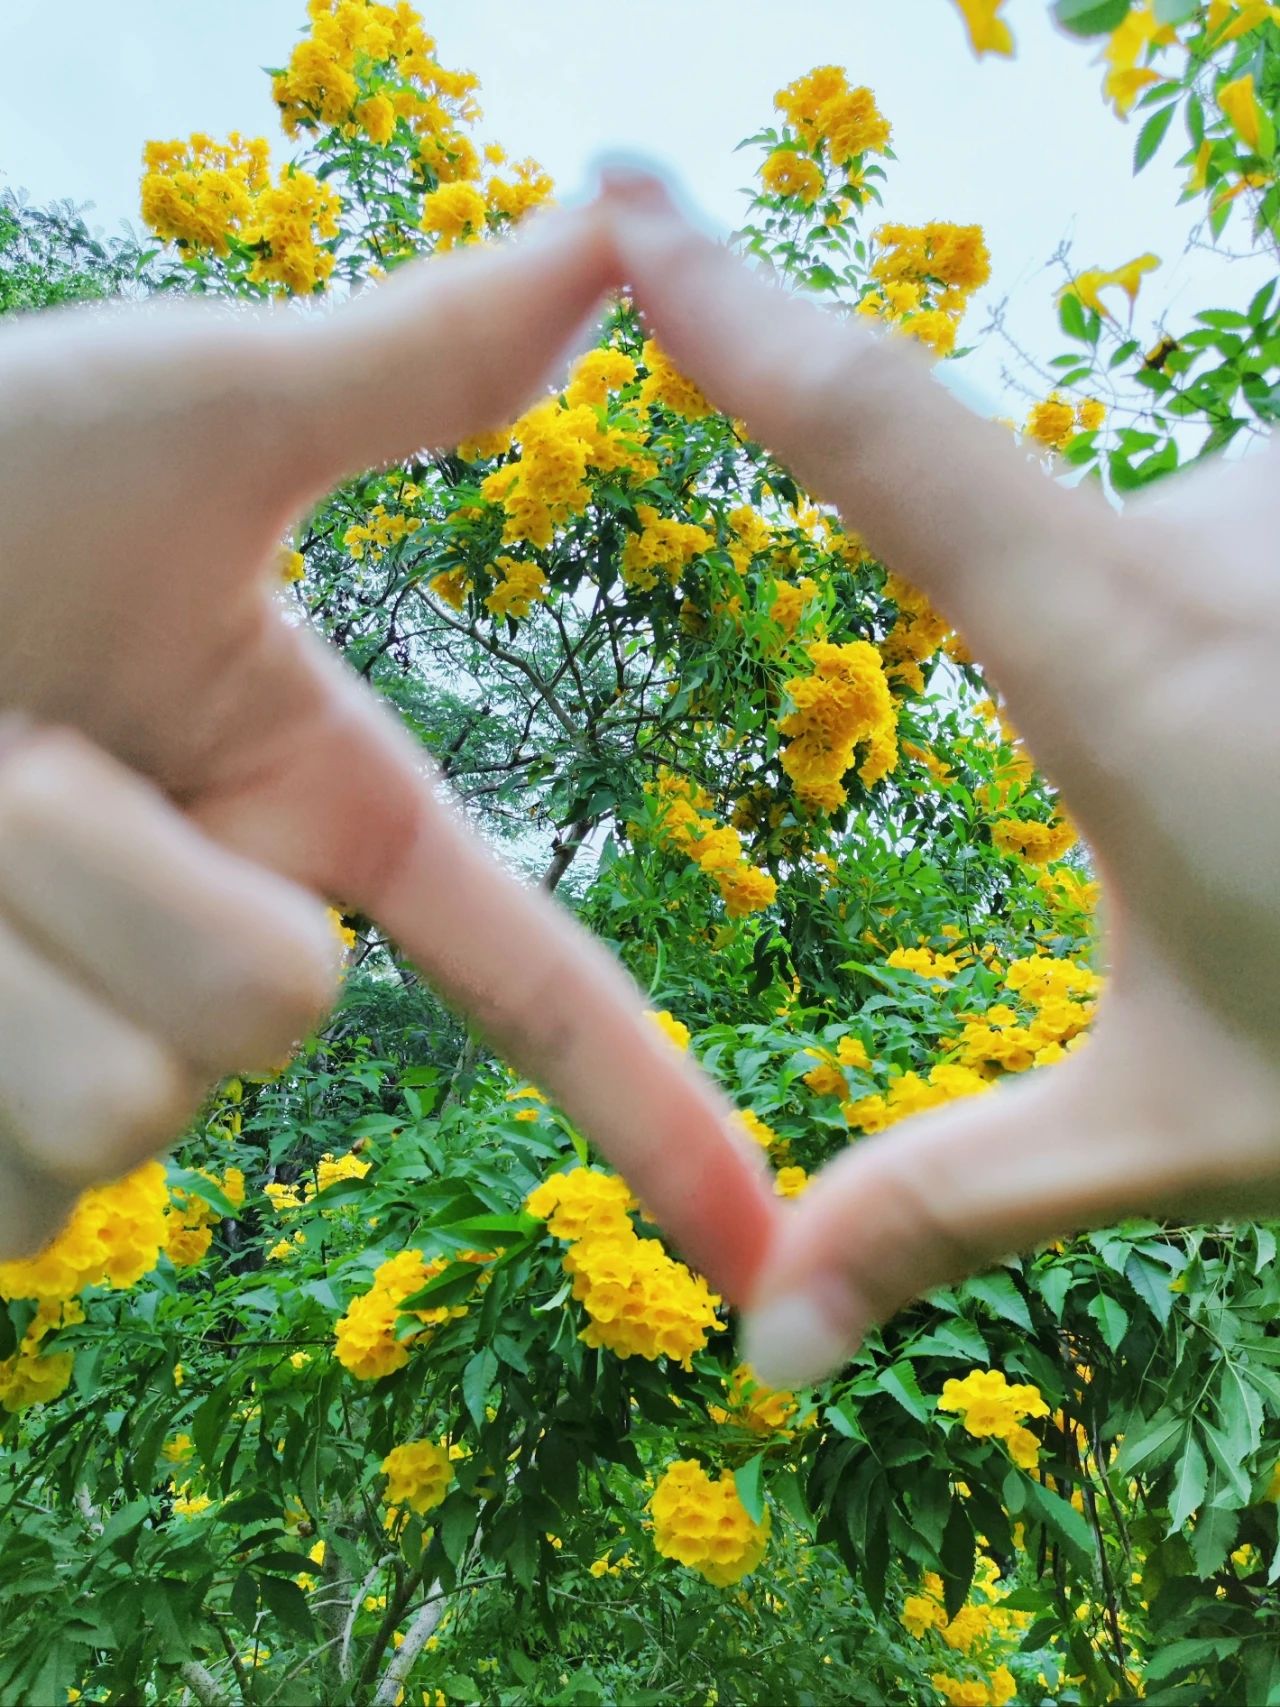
(943, 1196)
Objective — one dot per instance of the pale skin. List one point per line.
(190, 774)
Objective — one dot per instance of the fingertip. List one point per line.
(796, 1337)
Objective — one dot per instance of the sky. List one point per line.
(1025, 147)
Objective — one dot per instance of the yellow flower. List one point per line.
(1240, 105)
(1139, 35)
(671, 1027)
(454, 213)
(987, 32)
(787, 173)
(418, 1475)
(1087, 285)
(1051, 423)
(705, 1525)
(790, 1182)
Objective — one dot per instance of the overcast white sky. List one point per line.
(1026, 147)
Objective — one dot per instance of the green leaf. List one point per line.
(1112, 1319)
(122, 1525)
(1090, 17)
(1151, 1446)
(899, 1381)
(1188, 1484)
(1188, 1651)
(1071, 316)
(1053, 1285)
(957, 1557)
(289, 1606)
(477, 1378)
(1152, 135)
(747, 1480)
(1212, 1538)
(1152, 1286)
(1062, 1518)
(998, 1292)
(1175, 11)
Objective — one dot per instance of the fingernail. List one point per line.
(648, 185)
(792, 1340)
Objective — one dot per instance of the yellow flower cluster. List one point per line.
(519, 586)
(639, 1301)
(983, 1631)
(683, 825)
(511, 198)
(289, 217)
(1062, 994)
(329, 1170)
(583, 1202)
(598, 373)
(791, 174)
(418, 1475)
(666, 385)
(753, 1406)
(29, 1377)
(827, 1078)
(382, 531)
(322, 82)
(705, 1525)
(1037, 843)
(451, 587)
(990, 1407)
(112, 1238)
(789, 600)
(825, 111)
(843, 703)
(546, 485)
(925, 275)
(185, 1503)
(201, 195)
(909, 1094)
(189, 1223)
(1054, 422)
(663, 546)
(366, 1343)
(454, 213)
(925, 963)
(917, 633)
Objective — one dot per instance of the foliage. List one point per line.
(393, 1388)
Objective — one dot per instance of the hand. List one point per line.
(1135, 652)
(197, 770)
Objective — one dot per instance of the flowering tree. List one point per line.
(383, 1389)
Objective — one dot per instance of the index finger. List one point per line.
(1023, 566)
(340, 798)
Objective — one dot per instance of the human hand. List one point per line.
(1126, 647)
(198, 771)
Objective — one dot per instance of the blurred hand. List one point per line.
(1140, 656)
(191, 772)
